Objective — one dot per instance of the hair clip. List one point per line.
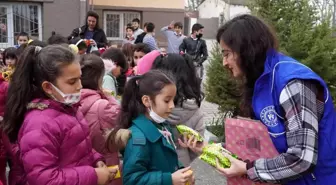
(37, 49)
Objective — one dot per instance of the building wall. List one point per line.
(212, 8)
(159, 16)
(61, 16)
(170, 4)
(236, 10)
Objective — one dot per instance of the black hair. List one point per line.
(20, 50)
(80, 43)
(57, 39)
(95, 15)
(34, 67)
(141, 47)
(196, 27)
(250, 38)
(96, 52)
(136, 20)
(127, 49)
(23, 34)
(145, 24)
(129, 27)
(9, 53)
(92, 71)
(150, 84)
(38, 43)
(178, 25)
(150, 27)
(117, 56)
(182, 68)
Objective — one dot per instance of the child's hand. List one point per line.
(180, 177)
(192, 144)
(100, 164)
(105, 175)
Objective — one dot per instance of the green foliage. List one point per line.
(302, 34)
(220, 87)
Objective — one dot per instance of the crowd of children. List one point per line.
(64, 121)
(70, 107)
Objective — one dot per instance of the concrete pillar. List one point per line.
(82, 11)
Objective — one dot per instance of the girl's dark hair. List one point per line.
(141, 47)
(117, 56)
(92, 71)
(187, 84)
(250, 38)
(35, 66)
(21, 49)
(38, 43)
(9, 53)
(150, 84)
(127, 49)
(80, 43)
(57, 39)
(96, 52)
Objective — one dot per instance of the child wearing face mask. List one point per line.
(42, 117)
(150, 154)
(100, 110)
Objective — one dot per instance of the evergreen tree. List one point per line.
(220, 87)
(302, 35)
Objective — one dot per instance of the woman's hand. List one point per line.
(237, 168)
(93, 42)
(192, 144)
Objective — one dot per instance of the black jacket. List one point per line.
(140, 38)
(98, 35)
(196, 48)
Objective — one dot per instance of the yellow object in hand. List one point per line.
(117, 175)
(189, 172)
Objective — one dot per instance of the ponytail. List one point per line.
(131, 108)
(149, 84)
(20, 92)
(34, 67)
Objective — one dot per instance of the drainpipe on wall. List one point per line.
(82, 11)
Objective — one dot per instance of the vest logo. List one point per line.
(269, 117)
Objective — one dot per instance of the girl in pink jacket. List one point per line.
(42, 116)
(100, 110)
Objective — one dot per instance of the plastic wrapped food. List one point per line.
(190, 132)
(210, 154)
(213, 151)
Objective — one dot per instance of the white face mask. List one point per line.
(155, 117)
(69, 99)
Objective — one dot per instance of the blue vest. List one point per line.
(279, 71)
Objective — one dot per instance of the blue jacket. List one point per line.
(148, 157)
(279, 71)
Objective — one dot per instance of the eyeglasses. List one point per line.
(226, 53)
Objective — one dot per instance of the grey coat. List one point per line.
(188, 114)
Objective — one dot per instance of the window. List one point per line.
(115, 23)
(16, 18)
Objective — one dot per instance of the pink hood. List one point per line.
(146, 62)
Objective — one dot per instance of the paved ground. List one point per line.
(206, 175)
